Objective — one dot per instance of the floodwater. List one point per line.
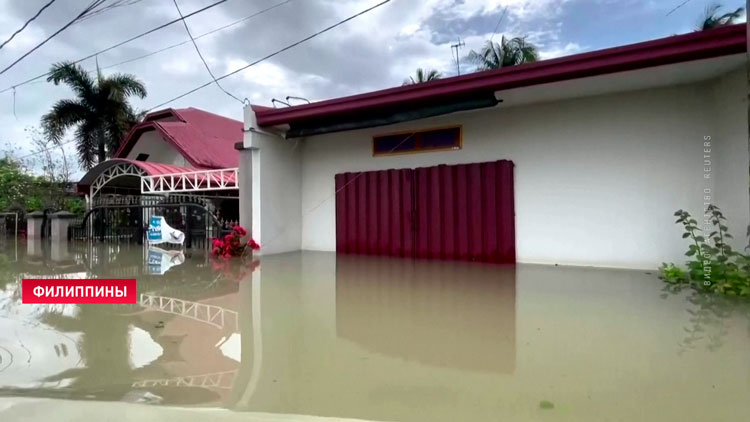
(313, 336)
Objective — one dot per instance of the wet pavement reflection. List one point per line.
(315, 334)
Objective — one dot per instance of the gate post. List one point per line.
(188, 236)
(34, 224)
(60, 222)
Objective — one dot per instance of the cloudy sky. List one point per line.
(375, 51)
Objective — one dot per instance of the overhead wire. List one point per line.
(197, 50)
(119, 44)
(89, 8)
(205, 34)
(19, 30)
(275, 53)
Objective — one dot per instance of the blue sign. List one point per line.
(154, 230)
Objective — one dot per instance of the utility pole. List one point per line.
(456, 46)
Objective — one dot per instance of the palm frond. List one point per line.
(100, 110)
(423, 76)
(509, 52)
(75, 76)
(64, 115)
(123, 85)
(711, 19)
(87, 144)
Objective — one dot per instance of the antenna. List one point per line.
(456, 46)
(274, 101)
(288, 97)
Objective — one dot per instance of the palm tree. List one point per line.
(711, 20)
(423, 76)
(100, 112)
(509, 52)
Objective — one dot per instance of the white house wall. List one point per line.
(729, 153)
(275, 190)
(597, 179)
(158, 150)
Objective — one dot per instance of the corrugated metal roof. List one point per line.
(205, 139)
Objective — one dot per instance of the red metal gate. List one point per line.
(444, 212)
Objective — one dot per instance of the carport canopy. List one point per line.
(155, 178)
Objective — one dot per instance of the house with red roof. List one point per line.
(579, 160)
(185, 151)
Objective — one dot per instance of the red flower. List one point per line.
(218, 243)
(253, 244)
(241, 230)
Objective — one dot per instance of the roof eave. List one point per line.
(681, 48)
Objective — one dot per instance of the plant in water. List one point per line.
(714, 265)
(232, 244)
(673, 274)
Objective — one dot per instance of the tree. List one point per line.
(16, 186)
(423, 76)
(100, 112)
(711, 19)
(509, 52)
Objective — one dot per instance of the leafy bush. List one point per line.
(714, 264)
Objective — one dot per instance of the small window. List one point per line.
(142, 157)
(419, 141)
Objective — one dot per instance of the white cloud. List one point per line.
(409, 30)
(565, 50)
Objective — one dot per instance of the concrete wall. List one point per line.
(159, 150)
(729, 153)
(275, 190)
(597, 179)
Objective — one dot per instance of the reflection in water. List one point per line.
(377, 339)
(708, 317)
(176, 346)
(160, 261)
(455, 315)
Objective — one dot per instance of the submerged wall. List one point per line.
(597, 179)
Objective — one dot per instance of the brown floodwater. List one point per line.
(306, 335)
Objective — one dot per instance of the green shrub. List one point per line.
(673, 274)
(714, 265)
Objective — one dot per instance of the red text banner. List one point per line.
(78, 291)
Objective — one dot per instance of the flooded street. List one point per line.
(306, 335)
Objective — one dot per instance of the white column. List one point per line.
(60, 221)
(34, 225)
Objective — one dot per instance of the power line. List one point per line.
(197, 50)
(277, 52)
(499, 21)
(89, 8)
(115, 5)
(45, 149)
(18, 31)
(678, 7)
(205, 34)
(112, 47)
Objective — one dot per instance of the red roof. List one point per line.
(206, 140)
(681, 48)
(151, 169)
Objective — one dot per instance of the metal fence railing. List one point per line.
(125, 219)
